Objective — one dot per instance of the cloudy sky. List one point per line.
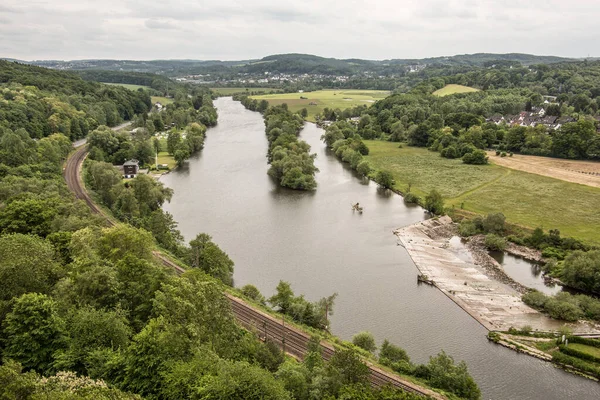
(233, 30)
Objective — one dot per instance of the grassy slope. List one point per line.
(452, 89)
(341, 99)
(128, 86)
(593, 351)
(526, 199)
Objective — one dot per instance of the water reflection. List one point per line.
(525, 272)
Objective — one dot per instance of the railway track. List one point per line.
(291, 340)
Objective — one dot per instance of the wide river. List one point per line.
(315, 241)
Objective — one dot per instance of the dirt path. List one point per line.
(576, 171)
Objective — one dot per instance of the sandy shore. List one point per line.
(494, 304)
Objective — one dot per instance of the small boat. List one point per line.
(357, 207)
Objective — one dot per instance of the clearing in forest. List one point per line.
(453, 89)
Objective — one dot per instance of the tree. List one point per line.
(173, 141)
(476, 157)
(350, 367)
(283, 298)
(582, 270)
(34, 331)
(390, 353)
(365, 341)
(363, 168)
(208, 256)
(27, 264)
(385, 179)
(434, 202)
(253, 293)
(442, 373)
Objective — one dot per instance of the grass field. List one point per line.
(162, 100)
(526, 199)
(593, 351)
(453, 89)
(128, 86)
(235, 90)
(341, 99)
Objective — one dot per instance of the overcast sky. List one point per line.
(233, 30)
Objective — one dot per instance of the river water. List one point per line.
(315, 241)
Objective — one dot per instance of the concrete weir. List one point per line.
(493, 304)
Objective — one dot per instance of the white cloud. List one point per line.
(232, 29)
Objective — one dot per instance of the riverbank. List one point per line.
(489, 296)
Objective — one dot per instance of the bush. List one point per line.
(467, 228)
(392, 353)
(476, 157)
(495, 242)
(363, 168)
(582, 270)
(535, 299)
(494, 223)
(579, 354)
(434, 202)
(385, 179)
(365, 341)
(563, 310)
(411, 198)
(561, 358)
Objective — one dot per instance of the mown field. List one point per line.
(526, 199)
(162, 100)
(341, 99)
(231, 91)
(452, 89)
(128, 86)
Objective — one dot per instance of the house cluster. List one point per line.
(537, 116)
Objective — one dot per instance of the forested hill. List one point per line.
(298, 64)
(44, 101)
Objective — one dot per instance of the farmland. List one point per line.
(453, 89)
(324, 98)
(526, 199)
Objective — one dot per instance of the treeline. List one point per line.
(44, 102)
(441, 371)
(456, 126)
(292, 165)
(159, 83)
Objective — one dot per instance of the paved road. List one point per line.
(290, 339)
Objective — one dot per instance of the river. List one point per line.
(315, 241)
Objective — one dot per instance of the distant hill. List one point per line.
(298, 64)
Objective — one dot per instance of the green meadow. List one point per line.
(453, 89)
(229, 91)
(526, 199)
(315, 102)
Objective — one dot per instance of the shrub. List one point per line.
(563, 310)
(503, 154)
(476, 157)
(365, 341)
(561, 358)
(467, 228)
(363, 168)
(434, 202)
(535, 299)
(495, 242)
(385, 179)
(411, 198)
(392, 353)
(494, 223)
(582, 270)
